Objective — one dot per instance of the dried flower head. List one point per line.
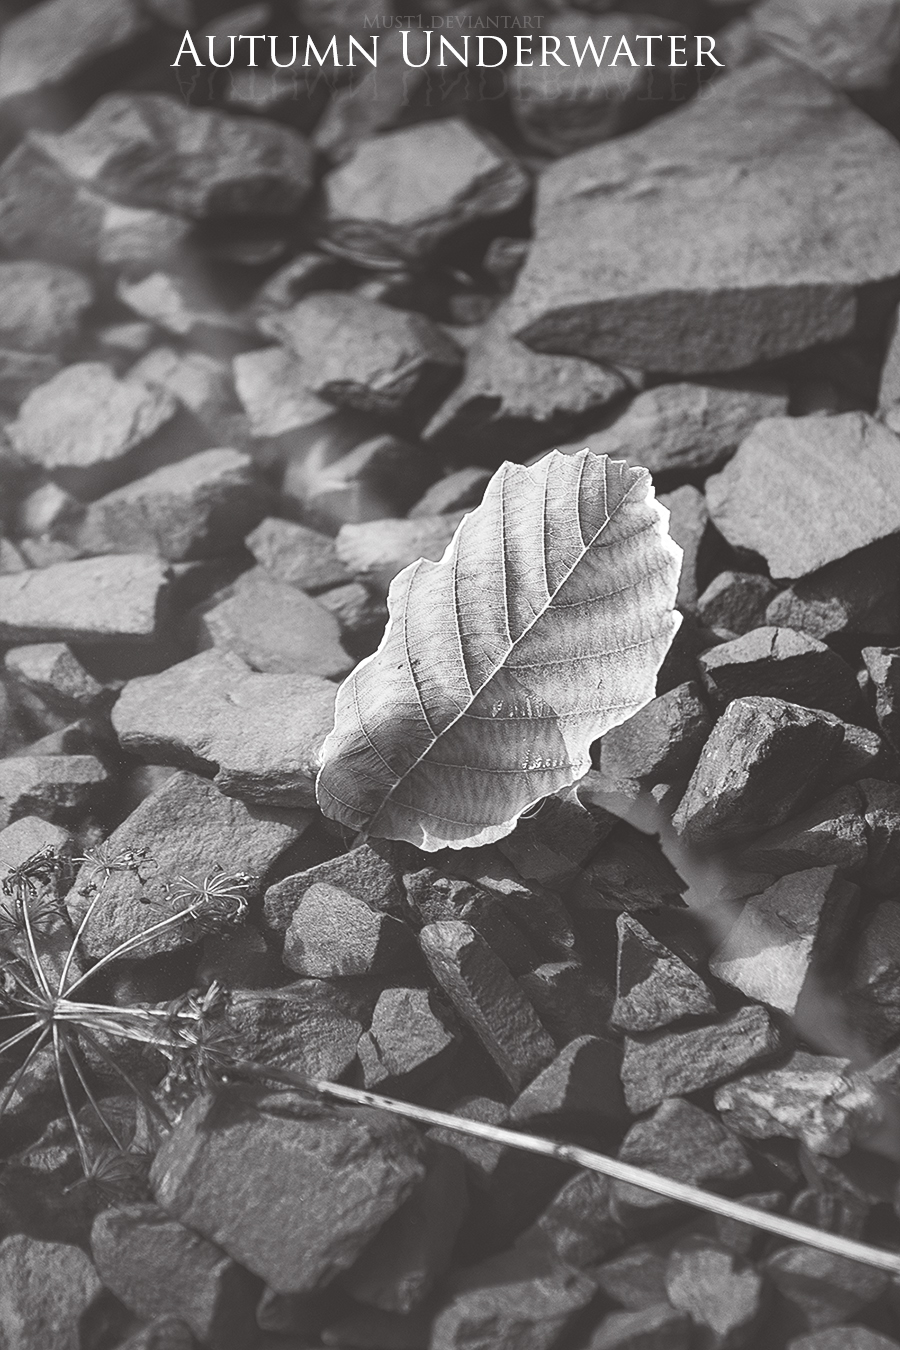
(104, 861)
(36, 873)
(216, 902)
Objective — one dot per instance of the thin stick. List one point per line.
(86, 1089)
(594, 1162)
(21, 1072)
(138, 940)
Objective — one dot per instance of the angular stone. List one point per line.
(376, 480)
(199, 508)
(22, 372)
(291, 1189)
(456, 491)
(689, 428)
(411, 1040)
(259, 735)
(669, 1063)
(596, 284)
(571, 999)
(581, 1082)
(53, 672)
(380, 206)
(807, 491)
(156, 1266)
(883, 665)
(367, 871)
(786, 936)
(512, 400)
(183, 306)
(152, 150)
(271, 385)
(360, 615)
(662, 742)
(41, 305)
(817, 1099)
(875, 991)
(853, 44)
(882, 811)
(689, 527)
(844, 1338)
(681, 1141)
(736, 602)
(654, 987)
(832, 832)
(763, 759)
(781, 663)
(27, 836)
(366, 356)
(659, 1327)
(189, 829)
(48, 1288)
(276, 629)
(297, 555)
(859, 594)
(333, 934)
(59, 788)
(59, 39)
(163, 1333)
(722, 1292)
(309, 1026)
(487, 998)
(91, 431)
(376, 550)
(822, 1289)
(200, 382)
(94, 600)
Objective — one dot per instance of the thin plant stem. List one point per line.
(20, 1036)
(79, 933)
(137, 1088)
(17, 1077)
(86, 1088)
(37, 967)
(130, 944)
(70, 1110)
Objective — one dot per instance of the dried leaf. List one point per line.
(543, 625)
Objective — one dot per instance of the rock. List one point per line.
(578, 1224)
(333, 934)
(659, 1326)
(376, 480)
(163, 1333)
(844, 1338)
(654, 987)
(57, 40)
(883, 665)
(360, 614)
(271, 385)
(570, 999)
(875, 993)
(399, 1269)
(595, 283)
(27, 836)
(721, 1291)
(853, 46)
(276, 629)
(59, 788)
(53, 672)
(376, 550)
(689, 428)
(368, 871)
(736, 602)
(189, 829)
(689, 527)
(456, 491)
(309, 1026)
(363, 355)
(519, 1300)
(821, 1289)
(487, 998)
(152, 150)
(93, 600)
(291, 1189)
(763, 759)
(807, 491)
(157, 1267)
(259, 735)
(22, 372)
(201, 383)
(514, 401)
(628, 872)
(832, 832)
(411, 1039)
(296, 555)
(681, 1141)
(662, 742)
(199, 508)
(780, 663)
(182, 306)
(91, 432)
(817, 1099)
(581, 1082)
(859, 594)
(667, 1063)
(49, 1287)
(380, 207)
(43, 305)
(786, 937)
(567, 107)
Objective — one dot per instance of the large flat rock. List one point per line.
(735, 230)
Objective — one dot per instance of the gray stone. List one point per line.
(27, 836)
(737, 601)
(183, 307)
(156, 1266)
(882, 811)
(94, 600)
(832, 832)
(360, 614)
(201, 383)
(781, 663)
(661, 743)
(689, 428)
(259, 735)
(41, 305)
(310, 1026)
(59, 788)
(571, 999)
(578, 1224)
(807, 491)
(379, 205)
(369, 357)
(189, 829)
(786, 937)
(763, 759)
(883, 665)
(376, 550)
(91, 432)
(689, 527)
(722, 1292)
(667, 1063)
(844, 1338)
(859, 594)
(853, 44)
(770, 149)
(875, 993)
(53, 672)
(48, 1288)
(822, 1289)
(659, 1327)
(297, 555)
(57, 40)
(22, 372)
(654, 986)
(152, 150)
(459, 490)
(291, 1189)
(817, 1099)
(367, 871)
(199, 508)
(410, 1041)
(488, 999)
(163, 1333)
(376, 480)
(272, 386)
(581, 1082)
(276, 629)
(333, 934)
